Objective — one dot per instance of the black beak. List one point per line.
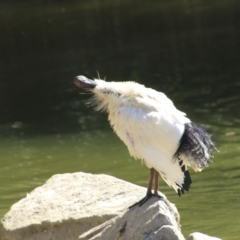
(83, 82)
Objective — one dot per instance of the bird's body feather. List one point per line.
(154, 130)
(155, 145)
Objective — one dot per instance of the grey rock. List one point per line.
(154, 220)
(86, 206)
(68, 205)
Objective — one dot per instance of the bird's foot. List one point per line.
(145, 199)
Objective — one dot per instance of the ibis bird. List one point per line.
(153, 130)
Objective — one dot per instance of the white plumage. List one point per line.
(153, 129)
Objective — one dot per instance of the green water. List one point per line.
(188, 50)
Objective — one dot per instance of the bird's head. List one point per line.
(111, 95)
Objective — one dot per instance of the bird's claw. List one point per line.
(145, 199)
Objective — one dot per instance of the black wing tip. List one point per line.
(186, 141)
(193, 134)
(187, 181)
(186, 184)
(179, 191)
(196, 146)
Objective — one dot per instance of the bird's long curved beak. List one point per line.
(83, 82)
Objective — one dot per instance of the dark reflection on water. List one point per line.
(189, 50)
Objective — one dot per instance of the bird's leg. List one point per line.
(156, 178)
(156, 175)
(150, 182)
(149, 189)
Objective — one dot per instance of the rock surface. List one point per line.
(156, 219)
(68, 205)
(201, 236)
(93, 207)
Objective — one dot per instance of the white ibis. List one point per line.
(153, 130)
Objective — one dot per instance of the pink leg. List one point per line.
(156, 181)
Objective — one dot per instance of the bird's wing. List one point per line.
(154, 137)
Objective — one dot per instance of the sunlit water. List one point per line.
(189, 51)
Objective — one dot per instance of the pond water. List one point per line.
(190, 51)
